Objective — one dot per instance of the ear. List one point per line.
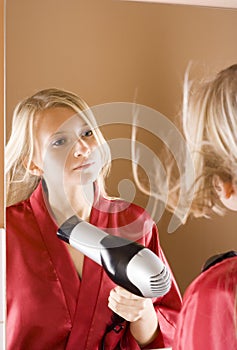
(32, 168)
(223, 189)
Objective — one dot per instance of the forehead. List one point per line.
(55, 119)
(51, 123)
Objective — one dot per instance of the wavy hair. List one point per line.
(209, 122)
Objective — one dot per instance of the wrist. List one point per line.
(145, 329)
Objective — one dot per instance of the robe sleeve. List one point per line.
(208, 316)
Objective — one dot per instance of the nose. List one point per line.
(81, 149)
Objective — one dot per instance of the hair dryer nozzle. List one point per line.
(149, 274)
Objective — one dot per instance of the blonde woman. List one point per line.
(57, 298)
(208, 317)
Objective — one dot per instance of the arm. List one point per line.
(168, 307)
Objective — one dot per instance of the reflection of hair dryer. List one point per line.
(128, 264)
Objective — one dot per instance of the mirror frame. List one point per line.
(231, 4)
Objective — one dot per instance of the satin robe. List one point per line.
(48, 306)
(209, 313)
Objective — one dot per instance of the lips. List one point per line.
(83, 166)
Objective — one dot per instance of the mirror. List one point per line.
(2, 210)
(112, 51)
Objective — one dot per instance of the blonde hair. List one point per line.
(209, 124)
(20, 183)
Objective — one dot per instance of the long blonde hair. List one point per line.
(20, 183)
(209, 123)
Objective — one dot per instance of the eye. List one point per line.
(87, 133)
(59, 142)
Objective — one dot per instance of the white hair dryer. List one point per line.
(127, 263)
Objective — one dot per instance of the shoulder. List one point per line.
(221, 277)
(27, 206)
(130, 220)
(126, 213)
(207, 316)
(118, 205)
(19, 218)
(18, 208)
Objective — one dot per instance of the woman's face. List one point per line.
(66, 150)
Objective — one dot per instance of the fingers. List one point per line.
(121, 292)
(127, 305)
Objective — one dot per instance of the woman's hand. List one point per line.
(138, 311)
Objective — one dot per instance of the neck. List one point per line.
(81, 200)
(76, 200)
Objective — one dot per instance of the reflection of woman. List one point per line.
(209, 314)
(56, 297)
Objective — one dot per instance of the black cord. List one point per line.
(118, 323)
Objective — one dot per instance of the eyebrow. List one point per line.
(71, 131)
(58, 133)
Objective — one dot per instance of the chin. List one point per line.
(87, 179)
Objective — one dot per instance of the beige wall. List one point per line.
(111, 51)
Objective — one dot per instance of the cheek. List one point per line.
(93, 144)
(99, 152)
(54, 164)
(98, 157)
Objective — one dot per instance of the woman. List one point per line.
(57, 298)
(209, 312)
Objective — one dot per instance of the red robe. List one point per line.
(209, 313)
(48, 306)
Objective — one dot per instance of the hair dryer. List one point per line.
(127, 263)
